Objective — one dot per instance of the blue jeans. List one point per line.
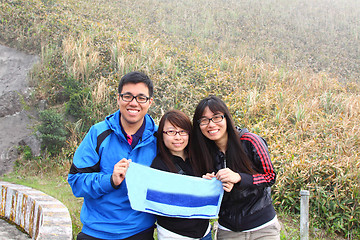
(207, 237)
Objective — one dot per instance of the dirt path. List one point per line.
(16, 124)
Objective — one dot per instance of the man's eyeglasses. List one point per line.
(173, 133)
(128, 97)
(216, 119)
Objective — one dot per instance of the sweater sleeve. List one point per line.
(85, 177)
(258, 153)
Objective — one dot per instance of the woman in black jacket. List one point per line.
(240, 158)
(173, 138)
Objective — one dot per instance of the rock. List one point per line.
(7, 159)
(42, 105)
(16, 123)
(33, 142)
(10, 104)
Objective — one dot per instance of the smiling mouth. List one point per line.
(213, 131)
(178, 143)
(133, 111)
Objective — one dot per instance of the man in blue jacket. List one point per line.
(100, 163)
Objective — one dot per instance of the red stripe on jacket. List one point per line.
(269, 174)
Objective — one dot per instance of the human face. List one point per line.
(216, 132)
(132, 113)
(176, 144)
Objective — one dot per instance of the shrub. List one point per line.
(76, 106)
(53, 132)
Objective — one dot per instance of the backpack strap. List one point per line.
(245, 130)
(241, 131)
(180, 170)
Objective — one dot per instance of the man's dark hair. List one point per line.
(136, 77)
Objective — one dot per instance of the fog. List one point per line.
(321, 34)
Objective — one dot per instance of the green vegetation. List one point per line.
(53, 133)
(286, 69)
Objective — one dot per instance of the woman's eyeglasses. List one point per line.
(215, 119)
(173, 133)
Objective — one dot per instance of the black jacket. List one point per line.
(249, 203)
(193, 228)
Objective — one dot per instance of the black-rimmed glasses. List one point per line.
(173, 133)
(215, 119)
(128, 97)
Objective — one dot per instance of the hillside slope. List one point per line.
(310, 120)
(16, 124)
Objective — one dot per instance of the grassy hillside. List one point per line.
(322, 35)
(273, 64)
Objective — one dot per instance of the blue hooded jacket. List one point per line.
(106, 212)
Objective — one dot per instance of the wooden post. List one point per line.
(304, 215)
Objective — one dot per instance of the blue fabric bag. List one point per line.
(172, 195)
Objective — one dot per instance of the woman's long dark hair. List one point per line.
(203, 149)
(180, 120)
